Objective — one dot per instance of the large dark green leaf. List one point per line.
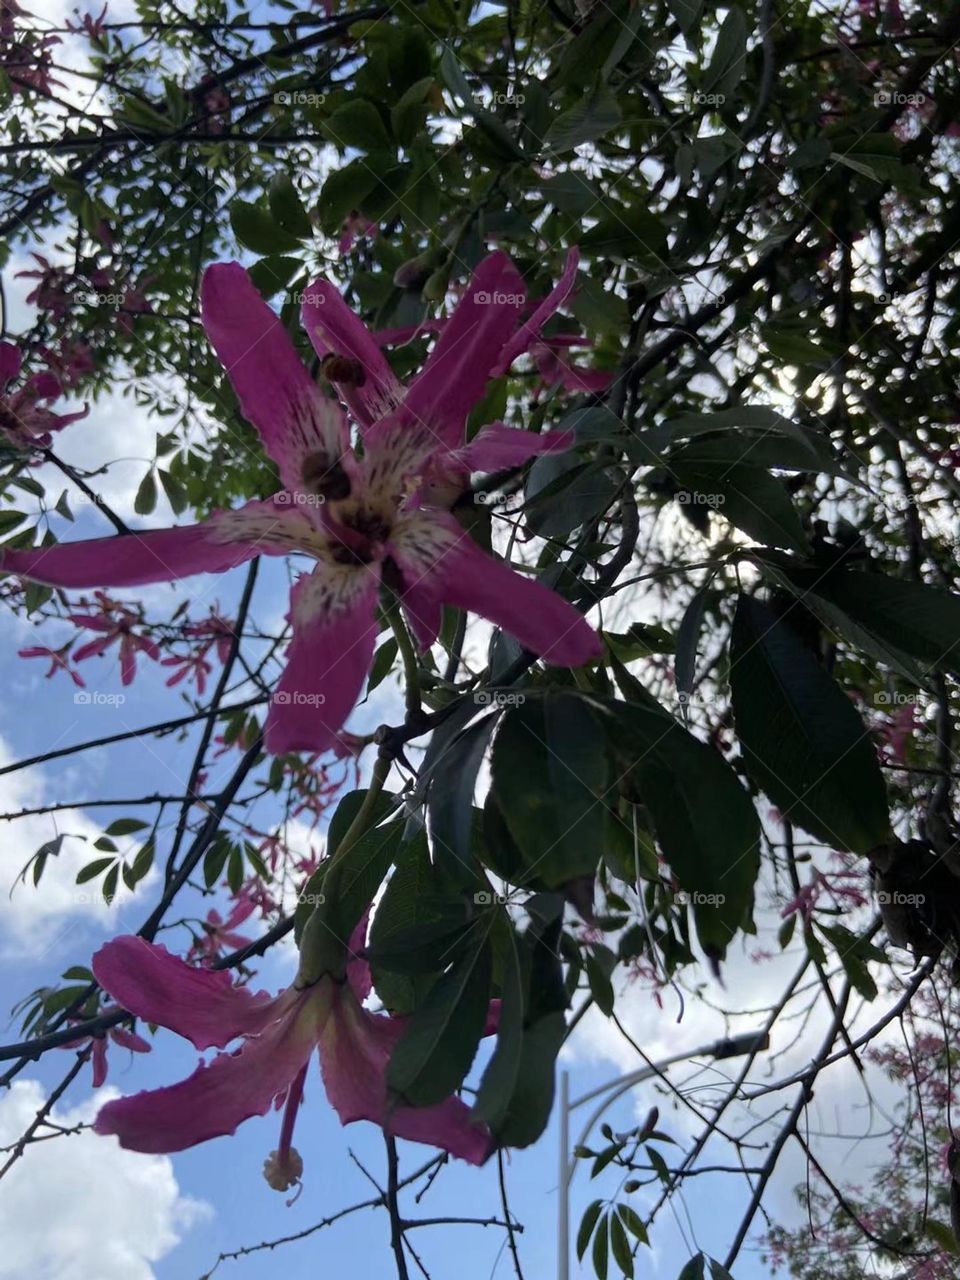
(802, 739)
(550, 775)
(704, 821)
(749, 497)
(499, 1080)
(438, 1046)
(902, 623)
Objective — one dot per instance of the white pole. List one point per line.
(563, 1187)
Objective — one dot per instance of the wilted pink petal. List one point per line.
(216, 1098)
(200, 1004)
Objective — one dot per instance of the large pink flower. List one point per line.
(366, 517)
(278, 1035)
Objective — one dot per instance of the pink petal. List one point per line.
(226, 539)
(498, 445)
(293, 416)
(333, 613)
(530, 329)
(130, 1040)
(441, 563)
(455, 375)
(201, 1004)
(354, 1051)
(333, 328)
(358, 970)
(99, 1061)
(217, 1098)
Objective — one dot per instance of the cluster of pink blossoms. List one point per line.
(26, 420)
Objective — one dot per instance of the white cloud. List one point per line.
(51, 1211)
(34, 920)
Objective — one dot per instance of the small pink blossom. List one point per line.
(59, 660)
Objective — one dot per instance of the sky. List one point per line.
(78, 1206)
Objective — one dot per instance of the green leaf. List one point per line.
(142, 862)
(601, 1248)
(438, 1046)
(499, 1081)
(594, 116)
(358, 124)
(9, 520)
(803, 742)
(450, 798)
(126, 827)
(704, 821)
(633, 1222)
(563, 493)
(454, 78)
(628, 234)
(587, 1224)
(550, 775)
(620, 1246)
(146, 497)
(694, 1269)
(93, 869)
(749, 497)
(383, 661)
(344, 192)
(176, 494)
(256, 229)
(894, 619)
(287, 208)
(729, 55)
(687, 13)
(688, 637)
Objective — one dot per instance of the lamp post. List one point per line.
(729, 1047)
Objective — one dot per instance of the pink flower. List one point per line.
(277, 1038)
(98, 1044)
(219, 933)
(366, 520)
(59, 660)
(92, 26)
(116, 623)
(25, 420)
(190, 664)
(556, 370)
(355, 225)
(219, 630)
